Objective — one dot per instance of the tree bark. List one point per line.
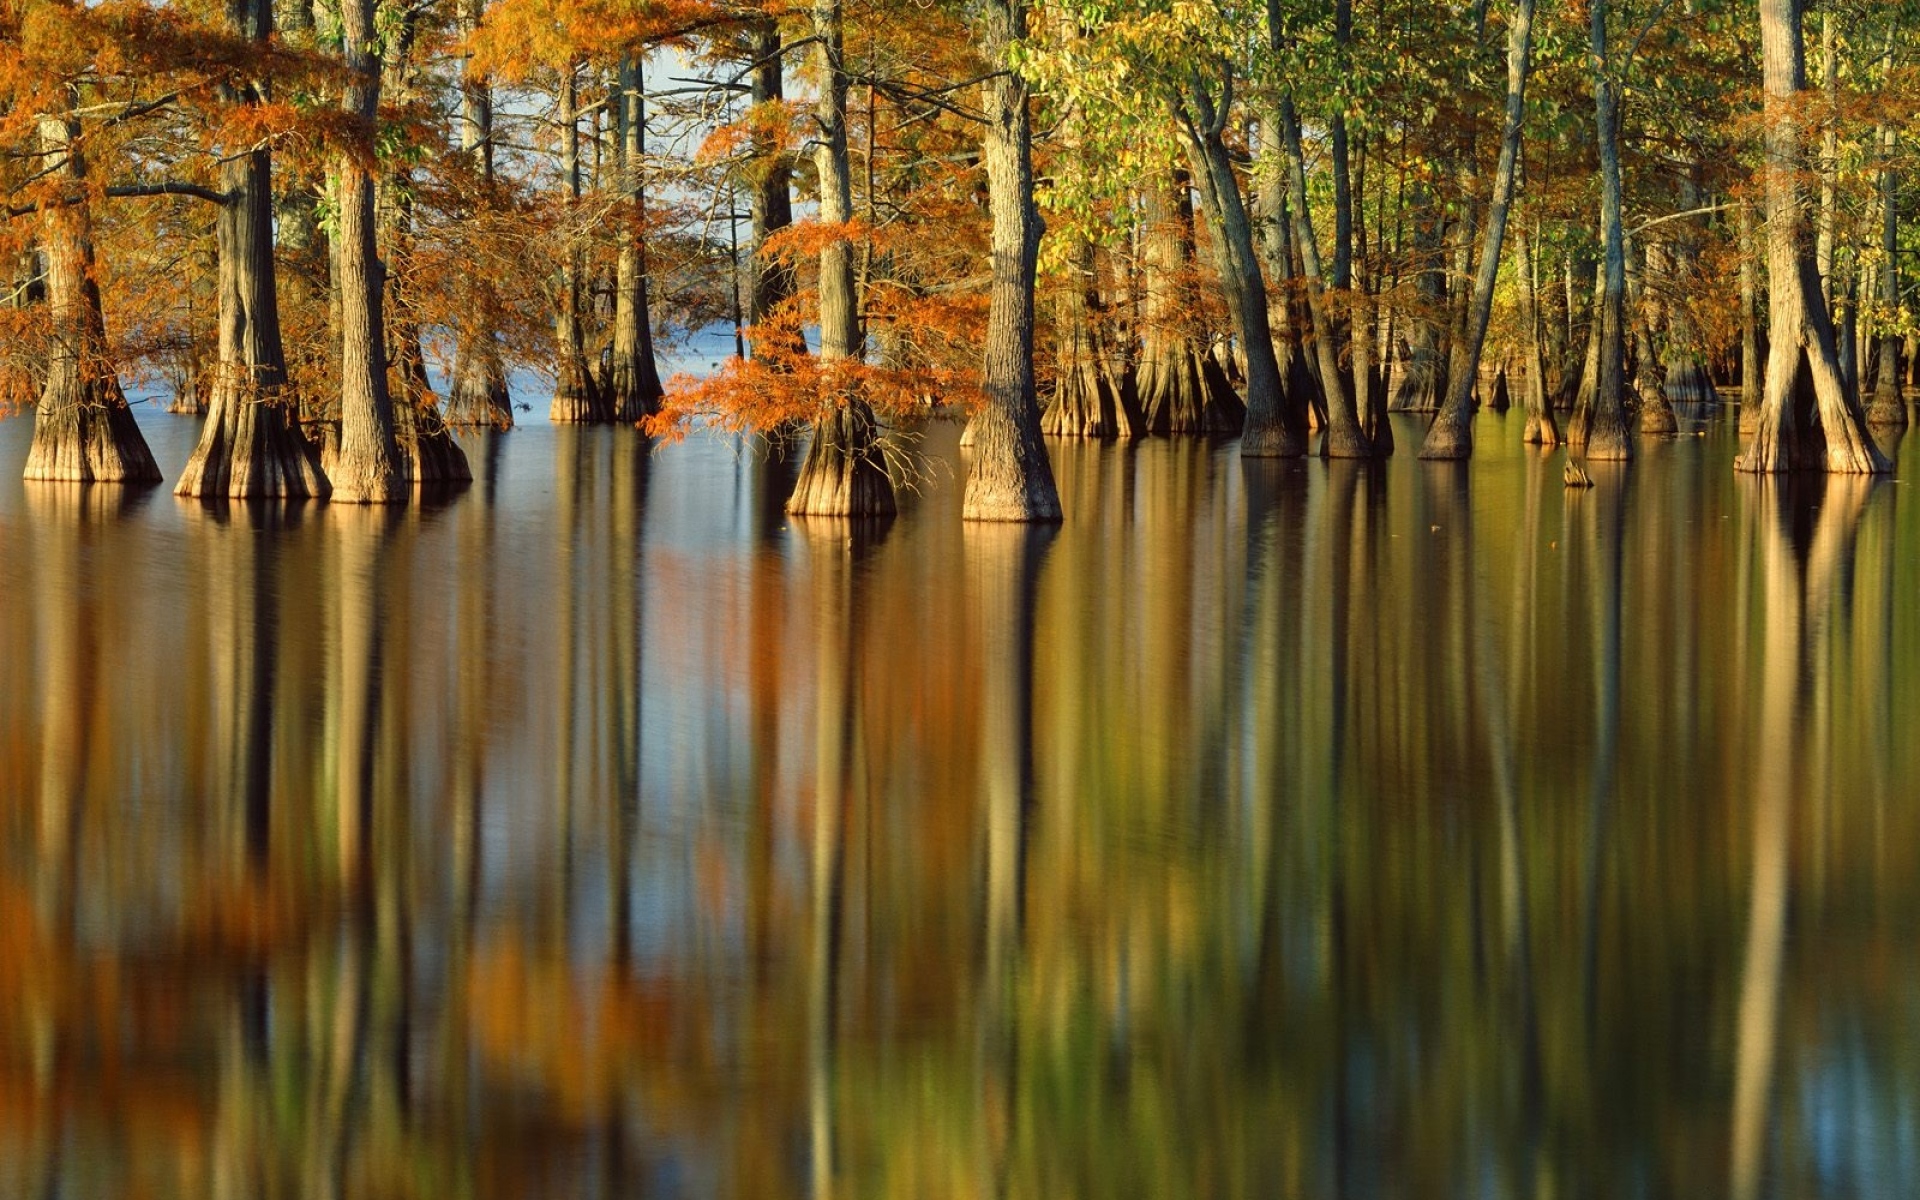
(1687, 379)
(1269, 430)
(844, 473)
(1806, 420)
(1345, 438)
(249, 444)
(1888, 408)
(1180, 387)
(429, 454)
(366, 468)
(1599, 426)
(1089, 399)
(769, 194)
(635, 389)
(1451, 434)
(1541, 429)
(83, 431)
(1424, 383)
(1649, 382)
(577, 399)
(478, 394)
(1011, 479)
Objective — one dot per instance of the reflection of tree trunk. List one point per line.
(362, 541)
(1806, 582)
(1005, 565)
(68, 639)
(838, 633)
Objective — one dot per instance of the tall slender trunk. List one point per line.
(1599, 426)
(1424, 383)
(1541, 429)
(249, 445)
(428, 452)
(635, 386)
(1451, 434)
(366, 468)
(769, 195)
(478, 394)
(1817, 427)
(1345, 438)
(1649, 383)
(1011, 479)
(1750, 362)
(83, 430)
(576, 397)
(1888, 408)
(844, 473)
(1687, 379)
(1269, 430)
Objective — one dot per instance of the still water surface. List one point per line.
(1271, 829)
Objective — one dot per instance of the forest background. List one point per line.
(338, 228)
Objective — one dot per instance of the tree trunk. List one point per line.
(1424, 383)
(1649, 383)
(1011, 479)
(1807, 420)
(769, 195)
(635, 388)
(1599, 426)
(1687, 380)
(1541, 429)
(844, 473)
(1181, 389)
(1345, 438)
(478, 394)
(83, 431)
(577, 398)
(366, 468)
(249, 445)
(1451, 434)
(1889, 407)
(1089, 399)
(429, 454)
(1269, 430)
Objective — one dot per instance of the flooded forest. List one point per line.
(876, 599)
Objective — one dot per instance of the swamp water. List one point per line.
(1270, 829)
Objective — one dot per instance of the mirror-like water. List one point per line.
(1271, 829)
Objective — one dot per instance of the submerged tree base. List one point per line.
(845, 472)
(1687, 382)
(1601, 437)
(1089, 401)
(89, 437)
(1184, 391)
(250, 448)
